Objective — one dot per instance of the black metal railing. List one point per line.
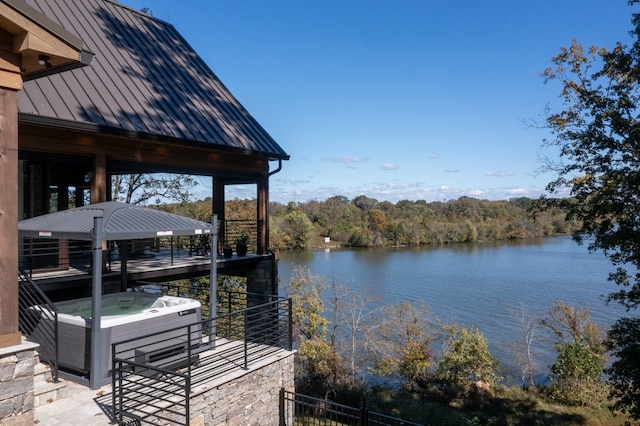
(154, 375)
(302, 410)
(234, 230)
(38, 320)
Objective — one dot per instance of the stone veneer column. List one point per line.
(17, 365)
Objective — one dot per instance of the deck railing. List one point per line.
(154, 375)
(38, 320)
(46, 254)
(297, 409)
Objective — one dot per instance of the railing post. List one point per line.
(113, 379)
(120, 395)
(187, 400)
(364, 414)
(290, 324)
(281, 408)
(246, 342)
(56, 361)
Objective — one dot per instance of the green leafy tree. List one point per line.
(292, 231)
(598, 135)
(466, 360)
(624, 374)
(314, 362)
(577, 373)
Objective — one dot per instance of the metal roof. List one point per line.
(120, 221)
(145, 80)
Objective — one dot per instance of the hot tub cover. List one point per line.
(121, 221)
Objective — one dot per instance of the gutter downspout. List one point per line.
(276, 170)
(274, 268)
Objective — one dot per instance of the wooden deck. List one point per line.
(151, 266)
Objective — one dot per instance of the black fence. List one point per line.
(153, 376)
(302, 410)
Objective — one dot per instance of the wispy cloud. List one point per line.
(452, 171)
(499, 174)
(389, 166)
(346, 159)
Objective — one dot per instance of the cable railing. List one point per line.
(38, 320)
(154, 375)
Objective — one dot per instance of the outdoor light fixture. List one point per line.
(44, 61)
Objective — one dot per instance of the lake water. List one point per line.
(483, 285)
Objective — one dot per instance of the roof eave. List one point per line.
(114, 131)
(45, 47)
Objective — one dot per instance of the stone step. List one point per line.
(45, 390)
(42, 373)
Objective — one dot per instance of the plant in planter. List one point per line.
(227, 251)
(241, 245)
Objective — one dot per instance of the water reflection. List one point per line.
(483, 284)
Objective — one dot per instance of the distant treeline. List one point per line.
(367, 222)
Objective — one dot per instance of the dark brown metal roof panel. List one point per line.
(145, 79)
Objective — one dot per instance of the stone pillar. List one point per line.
(17, 365)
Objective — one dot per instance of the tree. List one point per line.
(155, 188)
(577, 373)
(524, 352)
(598, 134)
(466, 359)
(624, 374)
(292, 231)
(402, 346)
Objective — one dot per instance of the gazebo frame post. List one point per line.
(98, 368)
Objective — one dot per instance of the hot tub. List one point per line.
(124, 316)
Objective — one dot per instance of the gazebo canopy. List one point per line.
(121, 221)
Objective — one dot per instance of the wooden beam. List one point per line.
(10, 75)
(195, 160)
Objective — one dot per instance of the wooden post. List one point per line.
(99, 179)
(218, 210)
(9, 333)
(263, 215)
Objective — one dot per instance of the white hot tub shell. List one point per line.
(125, 316)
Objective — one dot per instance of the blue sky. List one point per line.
(395, 99)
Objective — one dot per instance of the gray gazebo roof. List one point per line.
(120, 221)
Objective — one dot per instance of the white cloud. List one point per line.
(389, 166)
(499, 174)
(346, 159)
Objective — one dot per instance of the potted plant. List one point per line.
(227, 251)
(241, 245)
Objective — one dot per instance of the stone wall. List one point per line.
(249, 398)
(17, 366)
